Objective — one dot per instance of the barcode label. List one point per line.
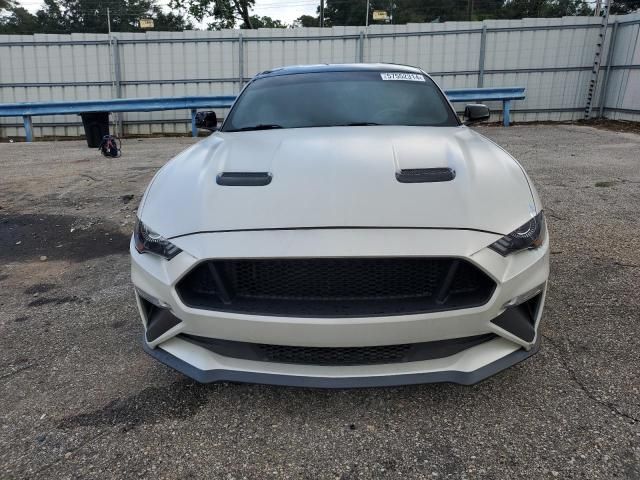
(407, 77)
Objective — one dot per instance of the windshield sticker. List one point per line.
(408, 77)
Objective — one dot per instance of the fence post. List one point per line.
(240, 61)
(605, 81)
(28, 128)
(117, 73)
(361, 47)
(483, 48)
(194, 128)
(506, 112)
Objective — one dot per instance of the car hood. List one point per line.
(340, 177)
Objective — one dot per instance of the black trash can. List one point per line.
(96, 126)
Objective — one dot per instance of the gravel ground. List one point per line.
(80, 399)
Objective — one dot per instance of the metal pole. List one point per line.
(361, 47)
(118, 117)
(240, 61)
(366, 20)
(483, 47)
(605, 81)
(366, 32)
(116, 68)
(112, 68)
(321, 13)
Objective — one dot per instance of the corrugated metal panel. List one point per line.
(269, 48)
(45, 69)
(539, 55)
(623, 88)
(550, 57)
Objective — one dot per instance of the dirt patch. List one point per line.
(39, 288)
(38, 302)
(608, 183)
(601, 123)
(180, 400)
(58, 237)
(613, 125)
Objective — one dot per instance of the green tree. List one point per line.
(223, 13)
(306, 21)
(88, 16)
(620, 7)
(340, 12)
(264, 22)
(544, 8)
(51, 18)
(169, 22)
(337, 12)
(19, 21)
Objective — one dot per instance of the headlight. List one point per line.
(528, 236)
(148, 241)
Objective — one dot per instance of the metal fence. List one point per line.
(552, 58)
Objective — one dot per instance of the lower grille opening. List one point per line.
(339, 356)
(335, 287)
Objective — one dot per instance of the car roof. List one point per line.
(338, 67)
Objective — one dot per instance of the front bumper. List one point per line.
(514, 275)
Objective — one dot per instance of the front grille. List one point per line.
(335, 287)
(339, 356)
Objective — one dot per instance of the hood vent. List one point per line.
(425, 175)
(244, 179)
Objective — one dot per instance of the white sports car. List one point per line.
(342, 228)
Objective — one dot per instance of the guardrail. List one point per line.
(504, 94)
(29, 110)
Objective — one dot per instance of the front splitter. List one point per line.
(447, 376)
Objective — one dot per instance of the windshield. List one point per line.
(338, 99)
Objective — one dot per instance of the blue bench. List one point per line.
(29, 110)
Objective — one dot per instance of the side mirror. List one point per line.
(475, 113)
(207, 120)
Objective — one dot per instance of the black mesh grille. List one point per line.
(337, 279)
(335, 287)
(335, 356)
(339, 356)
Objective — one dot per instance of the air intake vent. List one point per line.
(335, 287)
(520, 320)
(339, 356)
(425, 175)
(244, 179)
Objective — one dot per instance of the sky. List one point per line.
(285, 10)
